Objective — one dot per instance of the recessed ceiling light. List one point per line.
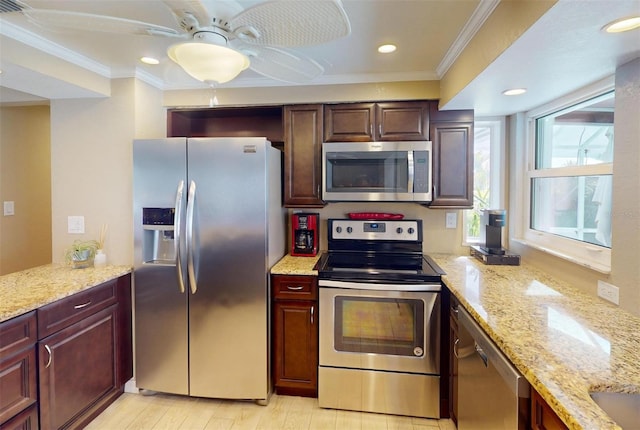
(150, 60)
(624, 24)
(514, 91)
(386, 49)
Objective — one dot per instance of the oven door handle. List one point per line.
(380, 287)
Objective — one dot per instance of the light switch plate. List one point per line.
(9, 208)
(75, 224)
(451, 220)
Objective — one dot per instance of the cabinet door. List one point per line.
(303, 156)
(17, 383)
(25, 420)
(352, 122)
(77, 368)
(296, 348)
(399, 121)
(542, 416)
(452, 164)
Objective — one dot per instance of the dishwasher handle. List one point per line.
(491, 355)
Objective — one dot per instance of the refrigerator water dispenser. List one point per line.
(158, 246)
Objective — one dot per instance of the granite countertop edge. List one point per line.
(30, 289)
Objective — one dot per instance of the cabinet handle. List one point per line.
(455, 347)
(312, 315)
(298, 288)
(50, 356)
(84, 305)
(380, 129)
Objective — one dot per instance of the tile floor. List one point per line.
(163, 411)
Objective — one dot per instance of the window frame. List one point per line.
(589, 255)
(498, 172)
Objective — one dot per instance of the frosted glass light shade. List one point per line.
(207, 62)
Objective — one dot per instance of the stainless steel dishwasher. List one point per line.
(492, 394)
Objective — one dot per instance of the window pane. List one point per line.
(576, 207)
(481, 180)
(577, 136)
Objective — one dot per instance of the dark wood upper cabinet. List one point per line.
(402, 121)
(303, 156)
(452, 164)
(349, 122)
(366, 122)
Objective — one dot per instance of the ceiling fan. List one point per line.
(219, 37)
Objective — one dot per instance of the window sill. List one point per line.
(601, 268)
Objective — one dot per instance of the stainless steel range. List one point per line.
(379, 319)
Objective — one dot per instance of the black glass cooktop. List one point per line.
(378, 267)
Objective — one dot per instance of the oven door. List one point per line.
(394, 331)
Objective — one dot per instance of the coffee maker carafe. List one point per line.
(304, 234)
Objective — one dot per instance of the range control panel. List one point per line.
(406, 230)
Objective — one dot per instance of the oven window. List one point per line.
(379, 325)
(385, 171)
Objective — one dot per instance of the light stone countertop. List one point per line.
(565, 342)
(24, 291)
(290, 265)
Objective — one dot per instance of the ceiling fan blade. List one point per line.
(282, 65)
(292, 23)
(193, 7)
(92, 22)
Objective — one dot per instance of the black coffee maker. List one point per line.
(493, 220)
(491, 251)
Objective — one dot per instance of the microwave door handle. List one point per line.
(410, 170)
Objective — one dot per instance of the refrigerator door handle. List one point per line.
(177, 223)
(191, 202)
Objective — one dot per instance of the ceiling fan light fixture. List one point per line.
(208, 62)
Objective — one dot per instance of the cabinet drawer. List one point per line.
(295, 287)
(25, 420)
(67, 311)
(17, 383)
(17, 334)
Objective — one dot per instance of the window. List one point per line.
(488, 175)
(569, 181)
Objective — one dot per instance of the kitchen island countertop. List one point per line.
(29, 289)
(565, 342)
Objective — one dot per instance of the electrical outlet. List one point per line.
(451, 220)
(608, 292)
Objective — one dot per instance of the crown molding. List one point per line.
(35, 41)
(475, 22)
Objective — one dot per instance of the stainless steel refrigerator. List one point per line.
(208, 226)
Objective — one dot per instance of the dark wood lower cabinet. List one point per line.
(295, 335)
(77, 368)
(542, 416)
(25, 420)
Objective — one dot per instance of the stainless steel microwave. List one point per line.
(377, 171)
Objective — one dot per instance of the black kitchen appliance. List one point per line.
(491, 250)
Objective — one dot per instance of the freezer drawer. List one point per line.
(492, 393)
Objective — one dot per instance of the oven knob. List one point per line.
(338, 229)
(399, 230)
(417, 351)
(349, 229)
(411, 230)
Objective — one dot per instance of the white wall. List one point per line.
(91, 158)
